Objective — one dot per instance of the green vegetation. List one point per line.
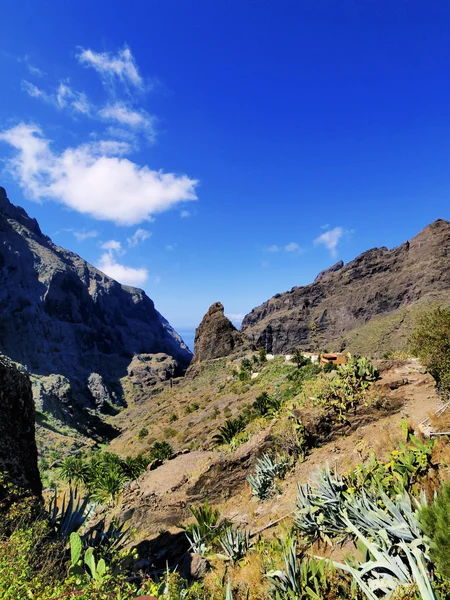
(161, 451)
(103, 474)
(435, 520)
(143, 433)
(229, 430)
(398, 546)
(430, 342)
(262, 482)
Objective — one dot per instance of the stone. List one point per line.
(193, 566)
(18, 452)
(216, 336)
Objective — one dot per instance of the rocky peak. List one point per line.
(17, 213)
(336, 267)
(216, 335)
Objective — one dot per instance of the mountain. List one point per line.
(70, 324)
(369, 301)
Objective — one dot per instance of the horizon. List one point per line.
(225, 153)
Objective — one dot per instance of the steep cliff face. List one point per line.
(18, 454)
(60, 315)
(216, 336)
(345, 297)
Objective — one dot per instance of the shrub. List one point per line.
(430, 342)
(143, 433)
(161, 451)
(265, 404)
(435, 521)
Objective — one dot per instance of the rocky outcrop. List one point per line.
(60, 316)
(343, 298)
(216, 336)
(146, 373)
(18, 453)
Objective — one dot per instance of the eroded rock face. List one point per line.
(145, 374)
(216, 336)
(60, 316)
(18, 453)
(345, 297)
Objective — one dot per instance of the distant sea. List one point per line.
(188, 336)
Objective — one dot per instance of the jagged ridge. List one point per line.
(60, 315)
(345, 297)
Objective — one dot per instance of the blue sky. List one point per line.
(208, 150)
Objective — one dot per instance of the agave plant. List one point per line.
(235, 543)
(205, 529)
(262, 482)
(113, 537)
(305, 576)
(71, 515)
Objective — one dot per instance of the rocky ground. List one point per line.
(159, 500)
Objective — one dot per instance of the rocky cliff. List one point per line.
(18, 453)
(216, 336)
(346, 297)
(62, 318)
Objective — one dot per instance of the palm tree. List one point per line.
(229, 430)
(74, 470)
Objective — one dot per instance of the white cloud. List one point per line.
(92, 180)
(112, 245)
(121, 66)
(132, 118)
(35, 71)
(293, 247)
(140, 235)
(122, 273)
(63, 97)
(85, 235)
(235, 317)
(184, 214)
(330, 239)
(32, 90)
(67, 97)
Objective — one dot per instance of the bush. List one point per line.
(161, 451)
(435, 521)
(430, 342)
(143, 433)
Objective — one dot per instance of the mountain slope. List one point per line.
(61, 316)
(347, 297)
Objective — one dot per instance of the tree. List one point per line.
(430, 342)
(299, 359)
